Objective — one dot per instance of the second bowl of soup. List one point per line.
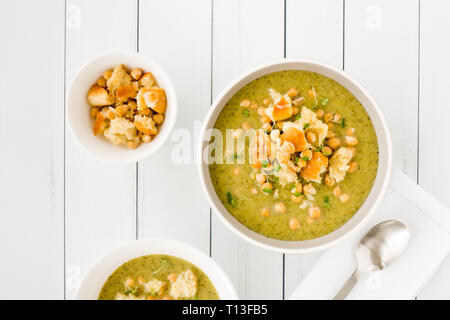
(295, 155)
(156, 269)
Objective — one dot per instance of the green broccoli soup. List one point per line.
(158, 277)
(295, 155)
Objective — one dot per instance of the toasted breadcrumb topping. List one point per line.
(128, 106)
(185, 285)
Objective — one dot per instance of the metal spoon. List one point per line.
(384, 243)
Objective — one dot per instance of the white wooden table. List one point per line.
(61, 209)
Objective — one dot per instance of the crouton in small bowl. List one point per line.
(121, 107)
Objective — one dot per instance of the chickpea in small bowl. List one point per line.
(121, 107)
(128, 106)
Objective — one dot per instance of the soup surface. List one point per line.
(304, 156)
(158, 277)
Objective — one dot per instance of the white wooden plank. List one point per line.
(100, 197)
(434, 174)
(177, 35)
(381, 51)
(32, 162)
(437, 288)
(245, 34)
(314, 30)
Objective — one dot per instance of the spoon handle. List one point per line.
(348, 286)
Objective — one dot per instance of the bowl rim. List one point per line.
(187, 250)
(168, 124)
(285, 246)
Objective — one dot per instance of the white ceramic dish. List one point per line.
(384, 166)
(100, 271)
(78, 108)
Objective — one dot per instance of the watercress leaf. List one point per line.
(233, 157)
(166, 261)
(231, 199)
(131, 291)
(156, 271)
(326, 202)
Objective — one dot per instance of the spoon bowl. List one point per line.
(380, 247)
(386, 241)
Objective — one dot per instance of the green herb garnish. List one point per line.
(231, 199)
(306, 125)
(298, 116)
(319, 148)
(343, 123)
(305, 159)
(297, 159)
(153, 293)
(326, 202)
(297, 194)
(267, 190)
(156, 271)
(131, 291)
(264, 163)
(324, 102)
(246, 113)
(277, 168)
(326, 154)
(166, 261)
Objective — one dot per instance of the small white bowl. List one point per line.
(78, 109)
(100, 271)
(371, 203)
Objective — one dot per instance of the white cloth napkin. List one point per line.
(429, 224)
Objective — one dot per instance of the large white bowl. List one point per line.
(376, 194)
(100, 271)
(78, 108)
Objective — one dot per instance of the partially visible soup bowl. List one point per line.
(98, 274)
(376, 193)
